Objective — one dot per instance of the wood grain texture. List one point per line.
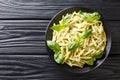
(22, 36)
(38, 67)
(28, 36)
(46, 9)
(23, 55)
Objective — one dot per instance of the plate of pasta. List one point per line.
(78, 39)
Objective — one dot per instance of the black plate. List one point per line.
(86, 68)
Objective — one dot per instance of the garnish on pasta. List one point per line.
(78, 39)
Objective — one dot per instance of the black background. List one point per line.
(22, 39)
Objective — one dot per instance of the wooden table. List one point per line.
(22, 40)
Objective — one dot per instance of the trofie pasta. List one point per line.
(78, 39)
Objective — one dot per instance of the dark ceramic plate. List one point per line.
(86, 68)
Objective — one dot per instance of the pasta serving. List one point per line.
(78, 39)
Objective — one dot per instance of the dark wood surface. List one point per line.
(22, 40)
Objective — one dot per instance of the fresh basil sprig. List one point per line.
(97, 55)
(80, 38)
(64, 22)
(58, 56)
(89, 17)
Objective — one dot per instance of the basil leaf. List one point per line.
(80, 39)
(58, 57)
(53, 46)
(96, 16)
(99, 54)
(66, 19)
(89, 17)
(57, 27)
(91, 61)
(81, 12)
(86, 33)
(64, 22)
(73, 45)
